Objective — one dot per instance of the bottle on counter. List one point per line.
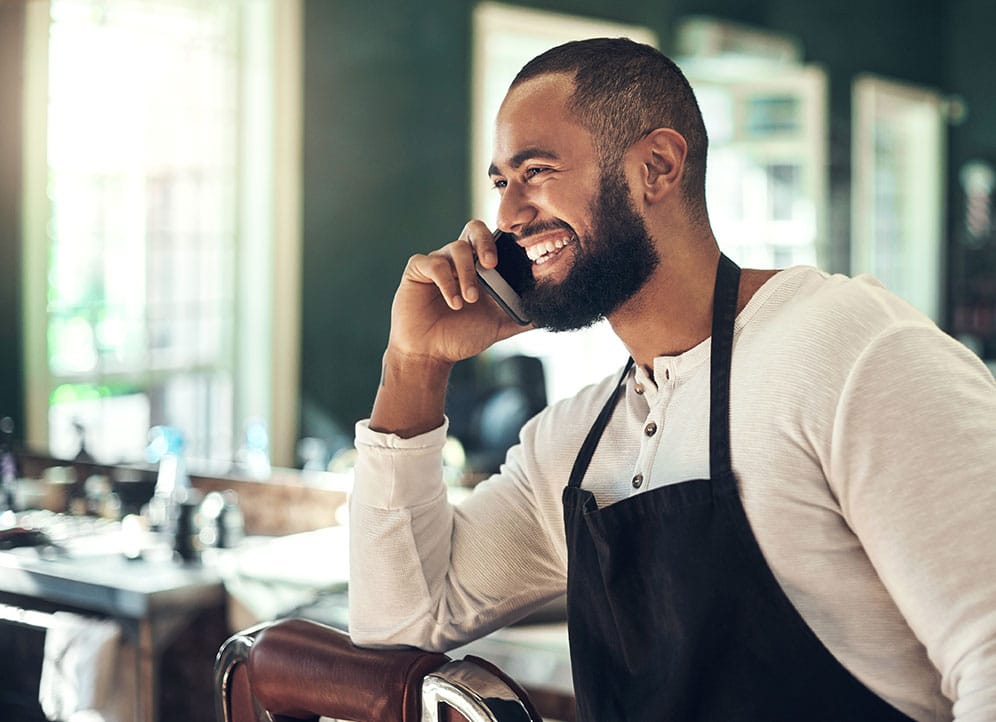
(222, 524)
(172, 483)
(187, 544)
(253, 458)
(8, 465)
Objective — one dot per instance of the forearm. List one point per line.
(405, 537)
(428, 574)
(411, 398)
(399, 517)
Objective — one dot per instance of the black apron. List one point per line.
(673, 613)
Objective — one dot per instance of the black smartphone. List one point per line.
(505, 282)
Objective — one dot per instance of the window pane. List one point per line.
(142, 151)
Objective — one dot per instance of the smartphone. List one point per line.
(505, 282)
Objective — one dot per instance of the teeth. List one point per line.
(539, 252)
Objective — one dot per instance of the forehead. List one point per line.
(535, 114)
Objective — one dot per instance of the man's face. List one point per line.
(609, 265)
(590, 247)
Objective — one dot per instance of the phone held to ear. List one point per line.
(505, 282)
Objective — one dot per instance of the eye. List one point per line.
(534, 171)
(499, 183)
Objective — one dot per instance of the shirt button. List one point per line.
(650, 429)
(638, 388)
(638, 481)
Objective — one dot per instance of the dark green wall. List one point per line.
(971, 75)
(11, 70)
(385, 168)
(970, 61)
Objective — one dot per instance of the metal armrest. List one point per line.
(472, 688)
(233, 699)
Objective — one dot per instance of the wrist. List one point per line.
(397, 364)
(411, 399)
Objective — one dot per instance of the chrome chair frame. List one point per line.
(233, 652)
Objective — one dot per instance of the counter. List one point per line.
(153, 600)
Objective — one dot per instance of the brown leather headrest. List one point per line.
(302, 669)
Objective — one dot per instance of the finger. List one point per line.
(437, 268)
(482, 240)
(462, 254)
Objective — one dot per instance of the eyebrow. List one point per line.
(523, 155)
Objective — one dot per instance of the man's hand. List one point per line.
(438, 310)
(438, 318)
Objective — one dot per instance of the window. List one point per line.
(150, 223)
(897, 206)
(766, 182)
(766, 178)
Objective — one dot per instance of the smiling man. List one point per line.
(782, 508)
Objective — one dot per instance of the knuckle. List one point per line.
(412, 265)
(475, 230)
(461, 249)
(441, 267)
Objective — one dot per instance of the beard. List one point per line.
(610, 265)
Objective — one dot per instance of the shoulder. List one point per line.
(815, 298)
(809, 339)
(828, 322)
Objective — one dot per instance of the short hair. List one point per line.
(623, 90)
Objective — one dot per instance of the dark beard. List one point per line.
(610, 266)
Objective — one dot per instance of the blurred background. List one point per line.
(205, 205)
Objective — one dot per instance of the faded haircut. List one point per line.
(623, 90)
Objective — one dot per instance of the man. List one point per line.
(782, 510)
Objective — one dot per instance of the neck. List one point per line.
(672, 313)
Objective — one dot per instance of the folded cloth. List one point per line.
(81, 676)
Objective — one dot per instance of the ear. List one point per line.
(661, 155)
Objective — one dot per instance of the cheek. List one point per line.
(568, 204)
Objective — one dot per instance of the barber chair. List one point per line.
(295, 669)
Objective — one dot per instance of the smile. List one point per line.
(544, 251)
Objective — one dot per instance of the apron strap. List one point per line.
(595, 432)
(724, 313)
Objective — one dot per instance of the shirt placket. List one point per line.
(658, 394)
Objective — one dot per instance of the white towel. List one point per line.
(82, 670)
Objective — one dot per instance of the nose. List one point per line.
(514, 210)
